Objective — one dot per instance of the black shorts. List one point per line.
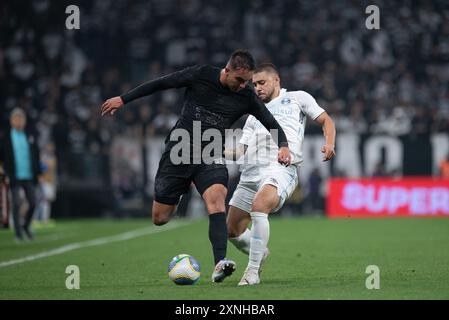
(172, 181)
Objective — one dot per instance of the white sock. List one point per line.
(243, 241)
(45, 211)
(260, 233)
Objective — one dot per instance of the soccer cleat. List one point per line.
(223, 269)
(264, 258)
(28, 234)
(19, 239)
(250, 277)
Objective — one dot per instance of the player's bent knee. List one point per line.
(215, 200)
(215, 207)
(233, 231)
(264, 205)
(261, 208)
(159, 219)
(161, 213)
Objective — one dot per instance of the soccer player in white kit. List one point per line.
(264, 183)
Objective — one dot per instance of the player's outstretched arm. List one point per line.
(173, 80)
(329, 131)
(111, 105)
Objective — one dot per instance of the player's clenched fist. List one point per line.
(111, 105)
(329, 152)
(284, 156)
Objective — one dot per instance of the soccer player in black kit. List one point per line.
(216, 98)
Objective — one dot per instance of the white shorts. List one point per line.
(48, 191)
(285, 179)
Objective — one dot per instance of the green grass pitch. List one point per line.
(311, 258)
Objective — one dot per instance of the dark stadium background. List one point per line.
(392, 81)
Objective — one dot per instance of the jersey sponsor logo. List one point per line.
(209, 117)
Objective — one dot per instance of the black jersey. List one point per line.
(208, 101)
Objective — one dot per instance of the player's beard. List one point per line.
(235, 88)
(268, 97)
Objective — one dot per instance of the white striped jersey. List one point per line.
(289, 109)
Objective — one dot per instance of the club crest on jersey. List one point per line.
(285, 101)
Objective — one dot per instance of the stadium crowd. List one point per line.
(393, 80)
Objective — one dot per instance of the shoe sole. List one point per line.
(228, 269)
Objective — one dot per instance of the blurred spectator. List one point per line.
(357, 119)
(391, 81)
(146, 118)
(164, 121)
(128, 185)
(48, 184)
(421, 122)
(4, 199)
(304, 70)
(314, 197)
(20, 156)
(397, 122)
(444, 167)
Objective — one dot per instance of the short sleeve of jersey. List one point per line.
(308, 104)
(248, 130)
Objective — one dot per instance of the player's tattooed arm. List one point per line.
(177, 79)
(234, 154)
(328, 126)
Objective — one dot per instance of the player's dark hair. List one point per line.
(242, 59)
(269, 67)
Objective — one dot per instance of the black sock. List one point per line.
(218, 235)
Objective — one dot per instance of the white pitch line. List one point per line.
(95, 242)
